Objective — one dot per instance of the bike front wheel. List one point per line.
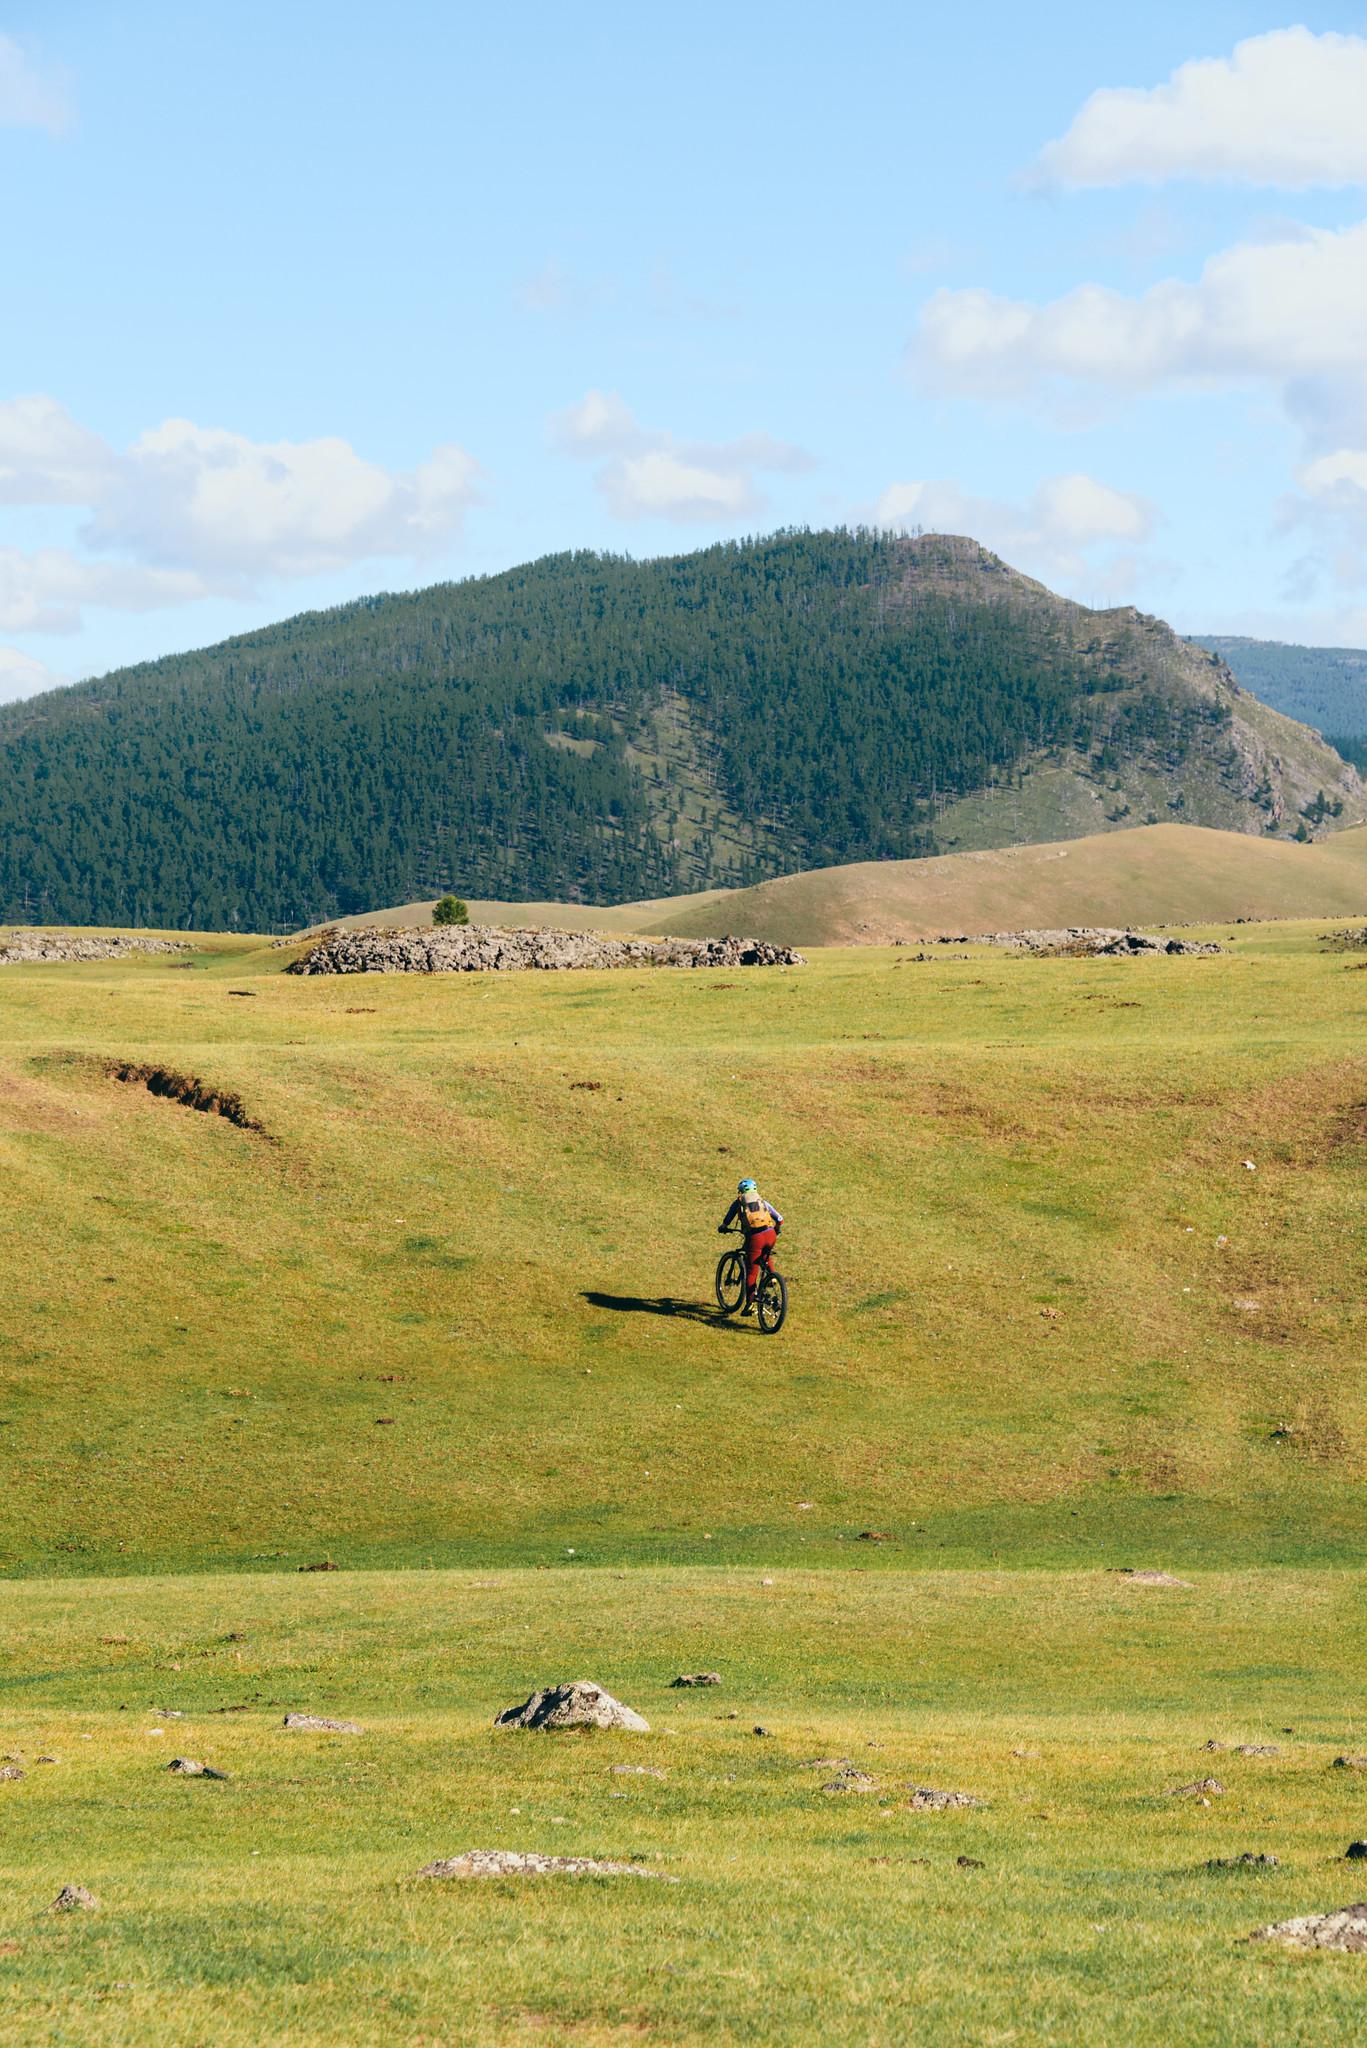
(771, 1303)
(731, 1282)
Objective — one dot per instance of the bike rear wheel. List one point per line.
(771, 1302)
(731, 1282)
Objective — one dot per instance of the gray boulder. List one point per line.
(1345, 1928)
(926, 1799)
(580, 1704)
(74, 1898)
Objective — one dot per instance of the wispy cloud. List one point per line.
(33, 94)
(1072, 530)
(646, 473)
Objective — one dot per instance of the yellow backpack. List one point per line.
(755, 1214)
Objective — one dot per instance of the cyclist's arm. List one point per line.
(729, 1218)
(778, 1220)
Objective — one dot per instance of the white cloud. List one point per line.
(187, 511)
(1288, 108)
(661, 485)
(212, 500)
(32, 95)
(644, 473)
(22, 675)
(47, 457)
(1293, 310)
(44, 592)
(1053, 534)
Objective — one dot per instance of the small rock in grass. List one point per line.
(970, 1863)
(1345, 1929)
(634, 1771)
(874, 1536)
(319, 1724)
(46, 1760)
(1248, 1861)
(513, 1863)
(828, 1763)
(9, 1773)
(1200, 1788)
(1256, 1749)
(191, 1767)
(1147, 1577)
(74, 1898)
(851, 1781)
(1356, 1850)
(760, 1729)
(696, 1678)
(1349, 1763)
(926, 1799)
(579, 1704)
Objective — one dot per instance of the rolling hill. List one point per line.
(1149, 875)
(590, 727)
(444, 1296)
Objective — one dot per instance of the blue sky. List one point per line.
(309, 301)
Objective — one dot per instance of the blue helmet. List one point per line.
(748, 1187)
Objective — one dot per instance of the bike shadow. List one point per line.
(658, 1305)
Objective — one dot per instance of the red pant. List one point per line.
(756, 1244)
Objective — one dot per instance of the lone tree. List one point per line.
(450, 910)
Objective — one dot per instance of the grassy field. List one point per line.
(276, 1908)
(1075, 1251)
(454, 1305)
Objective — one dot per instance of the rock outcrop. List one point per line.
(516, 1863)
(1345, 1929)
(580, 1704)
(16, 947)
(74, 1898)
(474, 949)
(1083, 942)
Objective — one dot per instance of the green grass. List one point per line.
(1014, 1330)
(448, 1319)
(274, 1908)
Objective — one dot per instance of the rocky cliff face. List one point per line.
(1175, 739)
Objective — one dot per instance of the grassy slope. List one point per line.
(1152, 874)
(271, 1911)
(1156, 874)
(201, 1330)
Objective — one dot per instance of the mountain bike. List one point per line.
(771, 1295)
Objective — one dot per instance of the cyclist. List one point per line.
(761, 1223)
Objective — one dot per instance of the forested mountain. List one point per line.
(1325, 687)
(593, 727)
